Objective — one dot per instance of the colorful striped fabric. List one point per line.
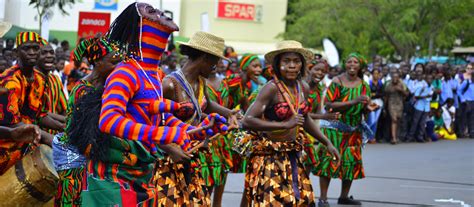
(23, 37)
(125, 113)
(348, 144)
(58, 101)
(310, 147)
(154, 40)
(55, 99)
(24, 103)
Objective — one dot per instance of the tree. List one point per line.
(44, 8)
(386, 27)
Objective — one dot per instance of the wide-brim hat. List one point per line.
(289, 46)
(4, 28)
(207, 43)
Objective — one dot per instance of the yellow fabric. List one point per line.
(445, 134)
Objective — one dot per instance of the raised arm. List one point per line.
(121, 86)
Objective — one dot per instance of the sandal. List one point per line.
(348, 201)
(323, 203)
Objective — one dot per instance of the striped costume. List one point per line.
(349, 144)
(129, 112)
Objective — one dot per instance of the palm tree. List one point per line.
(44, 8)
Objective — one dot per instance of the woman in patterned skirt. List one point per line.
(183, 180)
(275, 175)
(349, 95)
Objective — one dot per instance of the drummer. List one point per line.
(23, 103)
(27, 132)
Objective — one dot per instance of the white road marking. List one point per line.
(452, 201)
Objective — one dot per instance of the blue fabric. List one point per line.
(66, 156)
(411, 85)
(423, 90)
(373, 120)
(430, 130)
(254, 85)
(466, 91)
(342, 127)
(447, 87)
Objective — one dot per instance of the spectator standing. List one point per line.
(422, 95)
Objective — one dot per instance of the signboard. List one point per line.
(106, 4)
(239, 11)
(91, 23)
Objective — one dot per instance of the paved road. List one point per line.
(402, 175)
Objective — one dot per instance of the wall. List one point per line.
(245, 36)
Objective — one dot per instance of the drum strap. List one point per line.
(35, 193)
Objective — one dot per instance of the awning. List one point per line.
(467, 50)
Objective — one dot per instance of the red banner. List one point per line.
(91, 23)
(231, 10)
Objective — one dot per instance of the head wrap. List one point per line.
(360, 58)
(315, 62)
(93, 49)
(99, 49)
(23, 37)
(246, 60)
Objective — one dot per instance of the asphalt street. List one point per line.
(408, 174)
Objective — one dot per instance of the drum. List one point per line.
(31, 182)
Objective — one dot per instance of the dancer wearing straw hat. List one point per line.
(276, 175)
(190, 178)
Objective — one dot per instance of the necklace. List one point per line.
(294, 98)
(189, 91)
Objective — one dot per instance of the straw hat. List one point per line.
(207, 43)
(289, 46)
(4, 27)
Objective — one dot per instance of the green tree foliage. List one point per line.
(44, 7)
(386, 27)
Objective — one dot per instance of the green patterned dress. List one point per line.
(70, 180)
(218, 160)
(310, 147)
(349, 144)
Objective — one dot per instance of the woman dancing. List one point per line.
(68, 161)
(276, 175)
(349, 95)
(189, 87)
